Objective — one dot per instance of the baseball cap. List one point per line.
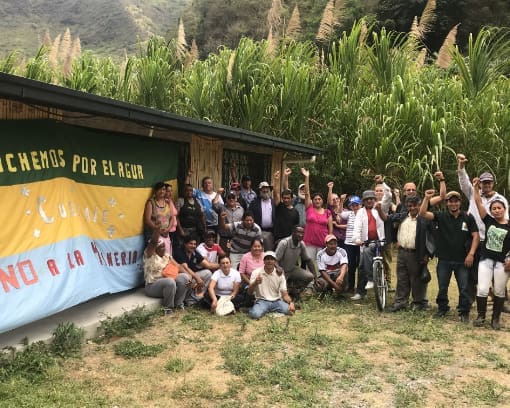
(329, 237)
(354, 200)
(264, 184)
(486, 177)
(235, 185)
(269, 254)
(368, 194)
(452, 194)
(301, 186)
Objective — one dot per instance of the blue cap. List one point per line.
(354, 200)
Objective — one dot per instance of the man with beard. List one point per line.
(414, 252)
(263, 208)
(457, 239)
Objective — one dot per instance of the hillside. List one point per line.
(103, 27)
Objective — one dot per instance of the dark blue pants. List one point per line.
(444, 274)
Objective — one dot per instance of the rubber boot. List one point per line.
(496, 312)
(481, 308)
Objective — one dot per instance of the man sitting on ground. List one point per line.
(332, 262)
(270, 288)
(289, 251)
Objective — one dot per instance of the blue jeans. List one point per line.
(444, 274)
(261, 307)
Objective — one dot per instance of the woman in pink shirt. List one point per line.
(251, 260)
(319, 220)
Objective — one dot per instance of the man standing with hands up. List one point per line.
(457, 241)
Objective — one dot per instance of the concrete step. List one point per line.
(86, 315)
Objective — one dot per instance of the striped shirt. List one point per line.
(350, 227)
(243, 237)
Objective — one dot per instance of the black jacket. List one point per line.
(424, 242)
(256, 208)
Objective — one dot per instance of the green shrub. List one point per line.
(127, 324)
(67, 340)
(31, 364)
(179, 365)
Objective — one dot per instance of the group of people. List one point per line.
(265, 250)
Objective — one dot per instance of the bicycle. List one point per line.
(379, 276)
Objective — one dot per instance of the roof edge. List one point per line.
(35, 92)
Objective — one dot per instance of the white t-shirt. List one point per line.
(327, 262)
(225, 283)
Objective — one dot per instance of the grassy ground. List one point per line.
(331, 353)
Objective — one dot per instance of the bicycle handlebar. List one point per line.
(377, 242)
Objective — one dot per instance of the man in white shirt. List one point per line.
(414, 251)
(332, 262)
(270, 288)
(368, 226)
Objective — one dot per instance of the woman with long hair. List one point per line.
(158, 214)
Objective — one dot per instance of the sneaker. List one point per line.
(168, 312)
(369, 285)
(357, 296)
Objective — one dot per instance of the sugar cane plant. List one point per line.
(362, 97)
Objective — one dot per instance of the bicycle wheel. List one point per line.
(380, 285)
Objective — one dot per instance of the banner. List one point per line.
(72, 202)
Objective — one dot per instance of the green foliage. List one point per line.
(128, 324)
(9, 63)
(362, 99)
(31, 364)
(179, 365)
(197, 321)
(487, 60)
(136, 349)
(238, 358)
(67, 340)
(486, 391)
(410, 396)
(38, 67)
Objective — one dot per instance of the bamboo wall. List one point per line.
(206, 159)
(17, 110)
